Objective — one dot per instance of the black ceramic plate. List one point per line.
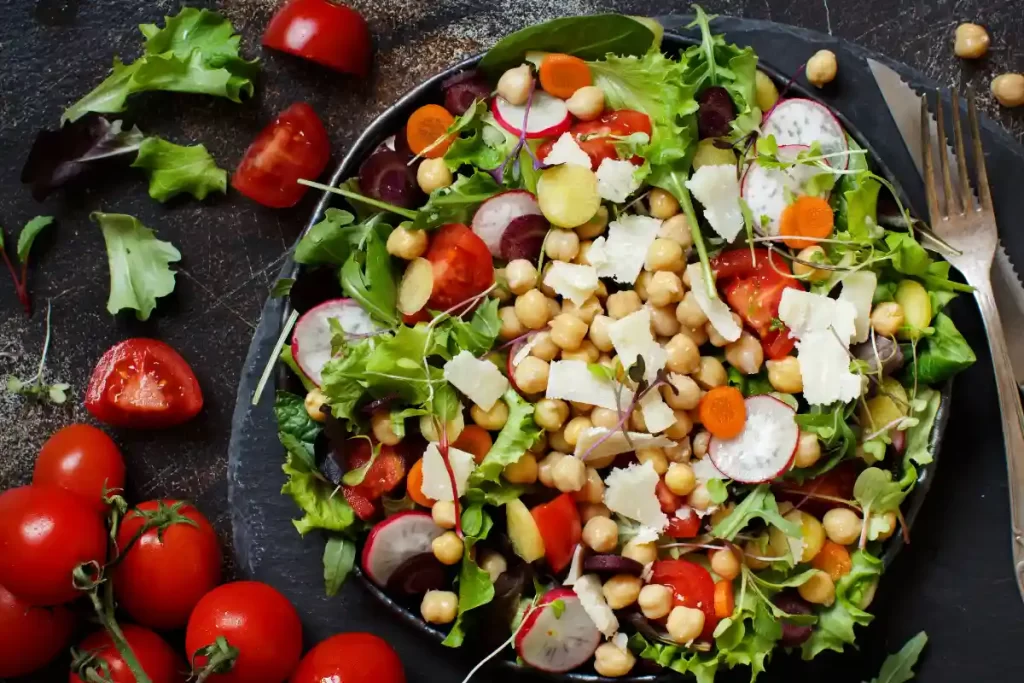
(386, 125)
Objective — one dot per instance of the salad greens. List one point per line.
(174, 169)
(26, 238)
(899, 667)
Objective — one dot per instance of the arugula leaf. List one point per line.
(174, 169)
(139, 272)
(476, 336)
(942, 354)
(296, 430)
(323, 505)
(339, 558)
(330, 241)
(899, 668)
(907, 254)
(456, 203)
(918, 445)
(475, 587)
(835, 623)
(515, 438)
(368, 276)
(759, 503)
(343, 379)
(717, 491)
(833, 430)
(28, 235)
(480, 142)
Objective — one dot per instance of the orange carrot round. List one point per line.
(723, 412)
(833, 559)
(426, 130)
(724, 601)
(474, 439)
(806, 217)
(562, 75)
(414, 485)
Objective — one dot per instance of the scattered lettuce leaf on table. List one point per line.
(139, 264)
(176, 169)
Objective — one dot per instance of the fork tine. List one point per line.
(928, 170)
(984, 194)
(961, 159)
(950, 204)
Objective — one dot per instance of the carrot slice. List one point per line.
(806, 217)
(724, 601)
(414, 485)
(474, 439)
(426, 130)
(562, 75)
(723, 412)
(833, 559)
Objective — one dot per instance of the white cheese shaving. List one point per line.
(704, 470)
(825, 369)
(658, 416)
(436, 482)
(859, 290)
(525, 349)
(804, 312)
(646, 534)
(616, 180)
(718, 312)
(573, 282)
(617, 442)
(718, 189)
(621, 641)
(572, 380)
(478, 379)
(621, 255)
(588, 589)
(631, 493)
(567, 151)
(631, 336)
(575, 567)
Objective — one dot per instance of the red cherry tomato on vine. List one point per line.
(463, 266)
(256, 620)
(45, 532)
(350, 658)
(32, 636)
(165, 572)
(158, 659)
(322, 31)
(83, 460)
(693, 587)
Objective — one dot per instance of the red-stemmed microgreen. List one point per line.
(19, 276)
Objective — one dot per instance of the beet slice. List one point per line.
(459, 97)
(716, 111)
(608, 564)
(524, 237)
(417, 575)
(388, 177)
(793, 635)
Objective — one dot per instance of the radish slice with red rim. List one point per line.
(766, 446)
(765, 190)
(496, 215)
(548, 116)
(557, 641)
(396, 540)
(311, 340)
(798, 121)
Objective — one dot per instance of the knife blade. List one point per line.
(904, 104)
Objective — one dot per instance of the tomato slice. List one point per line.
(595, 141)
(462, 266)
(143, 383)
(325, 32)
(814, 494)
(294, 146)
(560, 527)
(693, 587)
(687, 526)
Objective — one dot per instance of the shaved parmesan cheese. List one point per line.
(525, 349)
(478, 379)
(631, 493)
(704, 470)
(718, 189)
(621, 256)
(859, 290)
(631, 336)
(575, 567)
(621, 641)
(804, 313)
(570, 281)
(572, 380)
(825, 369)
(658, 416)
(616, 180)
(588, 589)
(567, 151)
(718, 312)
(616, 443)
(436, 482)
(646, 534)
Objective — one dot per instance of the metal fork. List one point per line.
(968, 224)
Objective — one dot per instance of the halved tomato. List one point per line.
(386, 472)
(560, 527)
(462, 266)
(686, 526)
(692, 586)
(593, 136)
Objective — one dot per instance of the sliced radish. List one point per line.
(766, 446)
(548, 116)
(765, 189)
(557, 643)
(496, 214)
(803, 122)
(416, 287)
(394, 541)
(311, 340)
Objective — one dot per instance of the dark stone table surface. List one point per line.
(54, 51)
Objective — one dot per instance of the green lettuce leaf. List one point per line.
(369, 276)
(899, 667)
(330, 241)
(296, 430)
(173, 169)
(323, 505)
(942, 354)
(759, 503)
(835, 623)
(339, 558)
(343, 379)
(919, 435)
(456, 203)
(480, 142)
(515, 438)
(139, 272)
(476, 335)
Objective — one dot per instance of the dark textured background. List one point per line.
(54, 51)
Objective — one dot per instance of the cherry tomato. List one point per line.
(560, 527)
(693, 587)
(686, 526)
(143, 383)
(294, 146)
(45, 532)
(322, 31)
(259, 622)
(462, 266)
(753, 286)
(83, 460)
(158, 659)
(350, 658)
(165, 573)
(669, 501)
(32, 636)
(595, 135)
(814, 495)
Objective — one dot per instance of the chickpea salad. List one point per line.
(615, 360)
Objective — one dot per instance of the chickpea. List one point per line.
(532, 375)
(641, 284)
(604, 417)
(492, 420)
(725, 563)
(887, 318)
(315, 400)
(689, 312)
(593, 489)
(587, 103)
(622, 590)
(821, 68)
(432, 175)
(522, 471)
(510, 325)
(570, 474)
(558, 442)
(439, 607)
(575, 428)
(447, 548)
(655, 456)
(589, 511)
(890, 519)
(568, 331)
(971, 41)
(698, 335)
(680, 479)
(596, 226)
(699, 498)
(701, 443)
(562, 245)
(663, 320)
(494, 564)
(685, 624)
(521, 276)
(711, 373)
(716, 339)
(532, 309)
(680, 452)
(454, 427)
(590, 309)
(784, 375)
(405, 243)
(683, 394)
(655, 601)
(613, 661)
(443, 514)
(812, 254)
(580, 409)
(636, 421)
(601, 534)
(665, 254)
(621, 304)
(514, 85)
(819, 589)
(683, 355)
(383, 430)
(554, 308)
(745, 354)
(842, 526)
(751, 553)
(662, 204)
(808, 450)
(550, 413)
(1009, 89)
(677, 229)
(765, 92)
(500, 292)
(546, 468)
(587, 352)
(599, 334)
(664, 288)
(644, 553)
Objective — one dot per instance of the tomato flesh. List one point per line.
(156, 657)
(350, 658)
(462, 266)
(322, 31)
(692, 586)
(560, 527)
(595, 135)
(687, 526)
(294, 146)
(143, 383)
(33, 636)
(814, 494)
(83, 460)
